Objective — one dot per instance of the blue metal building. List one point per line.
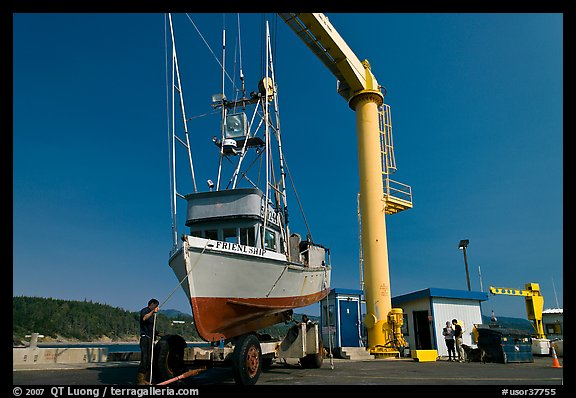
(340, 317)
(426, 312)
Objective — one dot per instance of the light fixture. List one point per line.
(462, 246)
(236, 125)
(218, 100)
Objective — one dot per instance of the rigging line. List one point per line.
(249, 180)
(242, 156)
(259, 169)
(298, 199)
(210, 49)
(184, 247)
(202, 115)
(275, 48)
(278, 279)
(188, 274)
(243, 173)
(244, 150)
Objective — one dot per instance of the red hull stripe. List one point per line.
(223, 318)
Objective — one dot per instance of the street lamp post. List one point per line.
(463, 245)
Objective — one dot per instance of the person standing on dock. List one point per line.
(458, 340)
(448, 333)
(146, 340)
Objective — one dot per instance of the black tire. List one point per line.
(247, 360)
(169, 357)
(313, 361)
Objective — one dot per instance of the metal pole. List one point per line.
(466, 264)
(372, 205)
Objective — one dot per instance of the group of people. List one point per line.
(453, 336)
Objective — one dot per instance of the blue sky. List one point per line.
(477, 115)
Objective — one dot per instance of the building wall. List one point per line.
(549, 320)
(446, 309)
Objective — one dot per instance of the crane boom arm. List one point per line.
(316, 31)
(510, 292)
(534, 303)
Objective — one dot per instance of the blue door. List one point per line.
(349, 334)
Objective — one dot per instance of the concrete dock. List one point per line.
(405, 371)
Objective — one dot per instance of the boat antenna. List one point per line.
(223, 107)
(554, 287)
(240, 59)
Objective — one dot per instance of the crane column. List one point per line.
(373, 204)
(359, 87)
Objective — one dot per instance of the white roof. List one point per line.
(553, 311)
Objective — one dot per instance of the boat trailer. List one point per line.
(174, 360)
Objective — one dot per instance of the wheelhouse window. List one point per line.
(269, 240)
(247, 236)
(211, 234)
(229, 235)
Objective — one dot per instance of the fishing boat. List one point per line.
(239, 263)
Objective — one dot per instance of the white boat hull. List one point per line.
(234, 289)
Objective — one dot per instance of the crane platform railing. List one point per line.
(398, 196)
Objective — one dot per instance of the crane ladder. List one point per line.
(398, 196)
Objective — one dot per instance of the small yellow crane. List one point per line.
(534, 304)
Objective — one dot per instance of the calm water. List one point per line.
(112, 347)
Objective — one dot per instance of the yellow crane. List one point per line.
(379, 195)
(534, 304)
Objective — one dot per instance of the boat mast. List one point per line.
(186, 143)
(223, 122)
(267, 141)
(283, 204)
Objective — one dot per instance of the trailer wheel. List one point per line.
(313, 361)
(169, 357)
(247, 360)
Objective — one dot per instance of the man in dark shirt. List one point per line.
(458, 340)
(146, 339)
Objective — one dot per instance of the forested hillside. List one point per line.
(88, 321)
